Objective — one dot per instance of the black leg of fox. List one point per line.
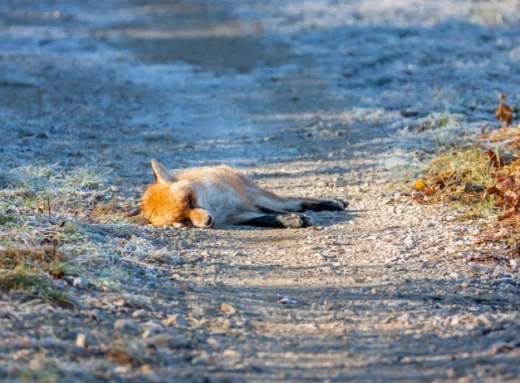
(274, 220)
(322, 205)
(319, 204)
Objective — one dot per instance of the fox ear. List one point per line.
(162, 175)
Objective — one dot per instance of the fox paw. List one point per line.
(294, 221)
(326, 204)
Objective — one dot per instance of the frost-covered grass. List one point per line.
(85, 177)
(21, 279)
(62, 223)
(58, 225)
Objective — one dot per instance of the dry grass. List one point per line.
(485, 179)
(22, 279)
(460, 175)
(36, 286)
(51, 296)
(51, 260)
(34, 256)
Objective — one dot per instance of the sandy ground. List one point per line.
(309, 98)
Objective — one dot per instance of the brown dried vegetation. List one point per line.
(485, 179)
(504, 113)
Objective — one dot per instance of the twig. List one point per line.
(49, 206)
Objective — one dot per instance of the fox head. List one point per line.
(172, 202)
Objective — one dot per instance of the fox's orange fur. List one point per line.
(203, 197)
(164, 208)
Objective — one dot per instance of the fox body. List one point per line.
(203, 197)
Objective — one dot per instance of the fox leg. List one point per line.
(275, 220)
(320, 204)
(269, 201)
(264, 199)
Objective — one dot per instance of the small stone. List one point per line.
(151, 329)
(126, 324)
(139, 313)
(185, 287)
(477, 269)
(228, 309)
(231, 354)
(287, 301)
(451, 373)
(330, 307)
(455, 320)
(168, 341)
(81, 340)
(147, 333)
(175, 320)
(202, 359)
(80, 282)
(147, 369)
(42, 135)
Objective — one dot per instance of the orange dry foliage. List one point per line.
(504, 112)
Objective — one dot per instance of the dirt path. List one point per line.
(309, 98)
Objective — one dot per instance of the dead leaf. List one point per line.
(418, 197)
(507, 215)
(504, 113)
(494, 190)
(450, 198)
(508, 182)
(493, 158)
(485, 258)
(120, 356)
(511, 197)
(501, 348)
(419, 185)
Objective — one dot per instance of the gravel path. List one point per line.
(309, 98)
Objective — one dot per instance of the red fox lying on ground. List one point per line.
(206, 196)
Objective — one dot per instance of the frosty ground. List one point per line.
(316, 98)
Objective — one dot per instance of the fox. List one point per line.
(207, 196)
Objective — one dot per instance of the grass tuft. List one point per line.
(34, 257)
(85, 177)
(41, 170)
(52, 296)
(21, 279)
(7, 219)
